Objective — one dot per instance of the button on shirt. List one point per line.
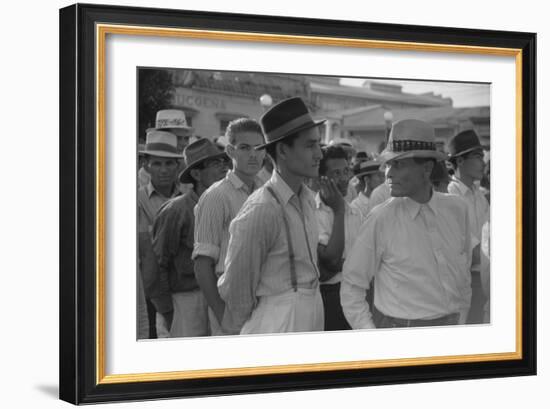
(419, 255)
(257, 262)
(353, 219)
(216, 208)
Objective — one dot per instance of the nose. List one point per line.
(318, 153)
(389, 171)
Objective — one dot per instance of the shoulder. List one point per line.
(452, 202)
(215, 194)
(386, 209)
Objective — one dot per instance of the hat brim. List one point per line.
(292, 132)
(183, 131)
(386, 156)
(464, 152)
(185, 176)
(161, 154)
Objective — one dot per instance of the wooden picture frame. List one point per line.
(83, 177)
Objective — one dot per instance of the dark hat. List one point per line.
(440, 172)
(366, 167)
(411, 138)
(362, 155)
(464, 142)
(196, 153)
(284, 119)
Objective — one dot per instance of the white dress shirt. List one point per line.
(419, 255)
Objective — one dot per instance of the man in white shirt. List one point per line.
(370, 177)
(467, 158)
(416, 245)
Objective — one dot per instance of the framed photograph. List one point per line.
(130, 76)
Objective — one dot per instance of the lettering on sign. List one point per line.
(201, 101)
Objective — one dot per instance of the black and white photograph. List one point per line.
(279, 203)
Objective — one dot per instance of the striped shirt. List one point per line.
(257, 262)
(420, 256)
(216, 208)
(353, 219)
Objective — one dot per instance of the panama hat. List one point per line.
(285, 119)
(464, 142)
(162, 144)
(172, 120)
(196, 153)
(411, 138)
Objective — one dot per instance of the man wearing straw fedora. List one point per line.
(467, 158)
(161, 161)
(416, 245)
(175, 122)
(271, 279)
(173, 236)
(219, 205)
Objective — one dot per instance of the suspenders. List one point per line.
(291, 256)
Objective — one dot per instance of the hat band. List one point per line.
(158, 146)
(410, 145)
(171, 123)
(289, 127)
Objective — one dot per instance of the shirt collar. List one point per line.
(463, 189)
(150, 189)
(285, 192)
(413, 207)
(238, 183)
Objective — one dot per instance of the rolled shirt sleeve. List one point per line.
(252, 234)
(209, 224)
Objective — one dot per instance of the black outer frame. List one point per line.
(78, 197)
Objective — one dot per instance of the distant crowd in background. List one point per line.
(266, 229)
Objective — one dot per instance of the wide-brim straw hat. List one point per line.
(196, 153)
(286, 118)
(161, 144)
(411, 138)
(464, 142)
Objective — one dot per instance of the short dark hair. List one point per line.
(271, 149)
(331, 152)
(241, 125)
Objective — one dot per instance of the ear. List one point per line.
(428, 167)
(230, 150)
(281, 149)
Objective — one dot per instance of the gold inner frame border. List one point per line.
(102, 30)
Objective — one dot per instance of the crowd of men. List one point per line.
(272, 231)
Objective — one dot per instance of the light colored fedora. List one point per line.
(161, 144)
(172, 120)
(196, 153)
(411, 138)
